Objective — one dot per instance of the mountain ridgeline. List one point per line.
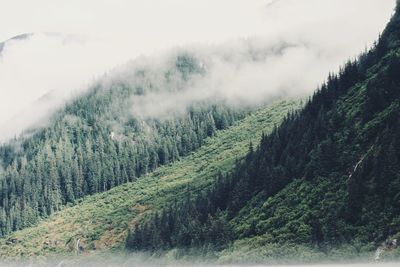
(329, 175)
(96, 142)
(322, 182)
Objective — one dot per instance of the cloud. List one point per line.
(272, 2)
(240, 73)
(105, 34)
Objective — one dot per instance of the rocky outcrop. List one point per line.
(389, 245)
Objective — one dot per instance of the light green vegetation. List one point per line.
(101, 222)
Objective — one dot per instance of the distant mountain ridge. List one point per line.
(23, 36)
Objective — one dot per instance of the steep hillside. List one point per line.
(325, 182)
(109, 136)
(101, 221)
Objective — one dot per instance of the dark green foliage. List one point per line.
(94, 144)
(184, 225)
(187, 65)
(328, 175)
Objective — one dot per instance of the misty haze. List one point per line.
(200, 133)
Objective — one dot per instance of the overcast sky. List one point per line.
(159, 23)
(93, 36)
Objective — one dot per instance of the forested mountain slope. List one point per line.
(102, 139)
(101, 221)
(327, 177)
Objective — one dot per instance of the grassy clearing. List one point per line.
(101, 222)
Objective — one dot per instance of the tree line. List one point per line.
(94, 144)
(345, 140)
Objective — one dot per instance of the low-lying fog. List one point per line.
(141, 262)
(75, 42)
(62, 264)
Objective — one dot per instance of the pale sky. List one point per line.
(158, 23)
(94, 36)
